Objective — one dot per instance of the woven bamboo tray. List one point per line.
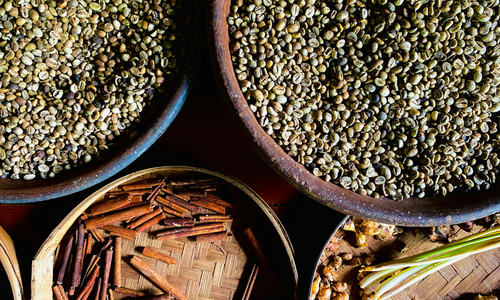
(8, 259)
(477, 274)
(217, 270)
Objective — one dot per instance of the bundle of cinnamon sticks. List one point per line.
(90, 264)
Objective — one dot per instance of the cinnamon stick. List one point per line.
(181, 222)
(155, 192)
(208, 205)
(148, 224)
(132, 204)
(64, 262)
(210, 237)
(144, 218)
(120, 231)
(107, 269)
(166, 296)
(89, 284)
(263, 260)
(131, 192)
(181, 202)
(171, 204)
(220, 201)
(57, 292)
(63, 292)
(98, 237)
(105, 246)
(173, 212)
(87, 295)
(192, 181)
(156, 278)
(152, 253)
(136, 199)
(189, 229)
(171, 191)
(117, 278)
(190, 233)
(110, 205)
(98, 292)
(117, 217)
(143, 184)
(214, 218)
(129, 292)
(250, 283)
(191, 193)
(92, 264)
(77, 269)
(89, 244)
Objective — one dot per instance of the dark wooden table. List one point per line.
(202, 135)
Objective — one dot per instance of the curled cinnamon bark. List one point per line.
(77, 268)
(152, 253)
(117, 216)
(117, 272)
(191, 231)
(107, 269)
(110, 205)
(65, 260)
(129, 292)
(120, 231)
(144, 218)
(156, 278)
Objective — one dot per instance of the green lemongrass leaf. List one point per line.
(420, 274)
(375, 277)
(460, 252)
(490, 231)
(413, 264)
(412, 271)
(439, 250)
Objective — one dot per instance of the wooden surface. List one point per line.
(203, 135)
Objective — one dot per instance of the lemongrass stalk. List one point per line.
(375, 277)
(431, 269)
(383, 271)
(398, 278)
(438, 258)
(412, 271)
(436, 251)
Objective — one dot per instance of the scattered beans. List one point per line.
(77, 77)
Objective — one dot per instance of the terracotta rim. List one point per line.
(21, 191)
(429, 211)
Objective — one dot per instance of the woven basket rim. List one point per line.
(56, 236)
(8, 259)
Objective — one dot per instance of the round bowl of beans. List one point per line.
(383, 109)
(86, 87)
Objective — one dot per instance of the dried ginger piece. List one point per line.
(486, 297)
(330, 272)
(315, 287)
(364, 228)
(325, 291)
